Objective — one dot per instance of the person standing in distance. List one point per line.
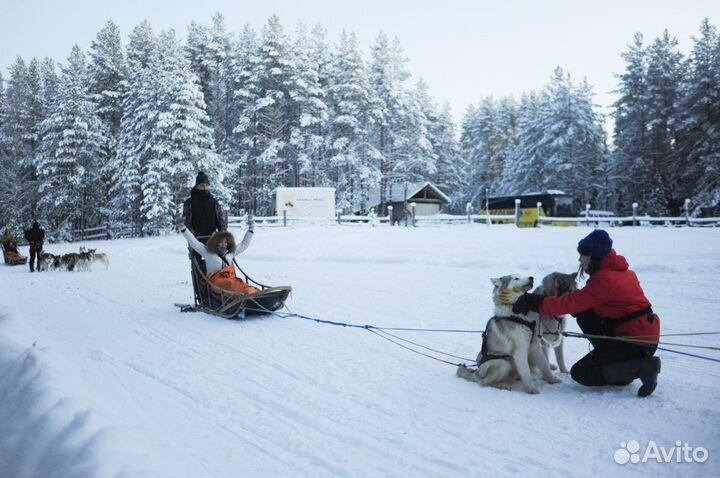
(35, 237)
(202, 213)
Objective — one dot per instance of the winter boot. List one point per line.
(622, 373)
(648, 375)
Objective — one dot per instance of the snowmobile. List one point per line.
(11, 255)
(229, 304)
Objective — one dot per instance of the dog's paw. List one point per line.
(467, 373)
(552, 379)
(531, 390)
(499, 385)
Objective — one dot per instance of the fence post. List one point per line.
(487, 207)
(687, 211)
(468, 209)
(517, 212)
(634, 206)
(284, 217)
(538, 206)
(587, 215)
(390, 216)
(339, 221)
(413, 207)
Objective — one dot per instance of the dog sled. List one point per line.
(11, 256)
(229, 304)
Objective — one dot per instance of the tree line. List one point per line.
(665, 144)
(115, 135)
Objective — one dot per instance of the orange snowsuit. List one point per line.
(226, 279)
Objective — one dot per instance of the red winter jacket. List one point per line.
(612, 292)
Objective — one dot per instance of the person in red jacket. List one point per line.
(612, 304)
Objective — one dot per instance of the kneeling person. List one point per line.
(218, 253)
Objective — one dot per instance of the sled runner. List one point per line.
(11, 255)
(231, 304)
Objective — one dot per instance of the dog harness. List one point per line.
(484, 355)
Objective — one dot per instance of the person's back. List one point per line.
(202, 213)
(35, 236)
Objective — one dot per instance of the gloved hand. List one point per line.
(528, 302)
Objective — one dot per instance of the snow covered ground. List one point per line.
(100, 375)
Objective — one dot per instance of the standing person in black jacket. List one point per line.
(35, 236)
(202, 215)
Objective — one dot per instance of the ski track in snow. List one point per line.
(101, 376)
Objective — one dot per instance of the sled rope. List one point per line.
(424, 347)
(641, 343)
(291, 314)
(376, 332)
(380, 332)
(375, 329)
(637, 340)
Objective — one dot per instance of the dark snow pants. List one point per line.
(591, 370)
(35, 253)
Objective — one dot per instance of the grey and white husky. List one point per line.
(85, 259)
(552, 327)
(93, 256)
(511, 346)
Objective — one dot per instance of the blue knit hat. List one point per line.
(596, 244)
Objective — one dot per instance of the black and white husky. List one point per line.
(511, 347)
(49, 262)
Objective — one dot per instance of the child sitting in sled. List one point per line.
(11, 255)
(219, 252)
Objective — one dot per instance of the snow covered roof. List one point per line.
(538, 193)
(553, 192)
(396, 193)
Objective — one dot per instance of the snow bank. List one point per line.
(44, 430)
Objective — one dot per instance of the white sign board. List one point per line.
(305, 203)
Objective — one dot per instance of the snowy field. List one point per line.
(100, 375)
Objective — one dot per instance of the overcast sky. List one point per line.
(464, 49)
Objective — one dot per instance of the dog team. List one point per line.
(74, 261)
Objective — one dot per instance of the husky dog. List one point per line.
(102, 257)
(49, 262)
(510, 345)
(85, 259)
(552, 327)
(69, 261)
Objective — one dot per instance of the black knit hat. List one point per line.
(201, 179)
(597, 244)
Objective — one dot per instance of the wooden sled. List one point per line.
(12, 257)
(231, 304)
